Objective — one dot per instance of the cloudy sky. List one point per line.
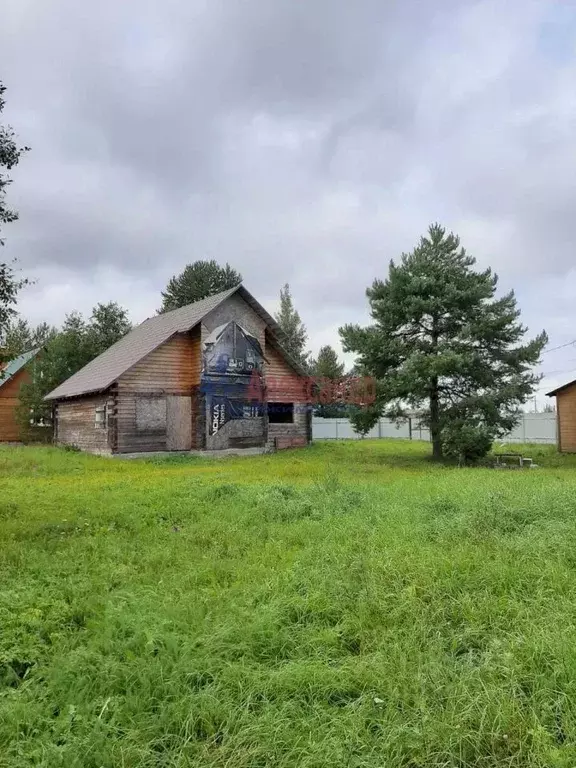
(303, 141)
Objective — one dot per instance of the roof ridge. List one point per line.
(193, 303)
(104, 370)
(15, 365)
(101, 372)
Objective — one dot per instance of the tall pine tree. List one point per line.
(326, 365)
(328, 373)
(295, 335)
(442, 343)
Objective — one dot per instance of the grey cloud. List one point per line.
(320, 61)
(308, 142)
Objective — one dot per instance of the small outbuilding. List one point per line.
(565, 416)
(12, 377)
(209, 376)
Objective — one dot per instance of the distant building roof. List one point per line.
(559, 389)
(104, 370)
(12, 368)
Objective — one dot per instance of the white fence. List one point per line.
(532, 428)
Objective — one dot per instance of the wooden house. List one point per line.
(209, 376)
(565, 416)
(12, 377)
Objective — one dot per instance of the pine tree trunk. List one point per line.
(435, 433)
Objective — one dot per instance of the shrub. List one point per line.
(363, 419)
(466, 442)
(70, 448)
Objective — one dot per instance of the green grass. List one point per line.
(349, 604)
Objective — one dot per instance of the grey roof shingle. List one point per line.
(105, 369)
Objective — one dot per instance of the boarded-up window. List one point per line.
(151, 414)
(100, 417)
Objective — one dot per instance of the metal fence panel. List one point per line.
(390, 429)
(324, 429)
(532, 428)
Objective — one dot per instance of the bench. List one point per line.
(516, 457)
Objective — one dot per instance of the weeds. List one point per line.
(344, 605)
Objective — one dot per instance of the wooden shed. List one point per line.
(565, 416)
(212, 375)
(12, 377)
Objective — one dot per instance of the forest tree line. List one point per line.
(442, 342)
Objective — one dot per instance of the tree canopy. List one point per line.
(444, 345)
(21, 337)
(196, 282)
(10, 284)
(77, 343)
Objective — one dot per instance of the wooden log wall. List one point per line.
(76, 424)
(171, 369)
(285, 385)
(566, 416)
(10, 430)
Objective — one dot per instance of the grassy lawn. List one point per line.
(349, 604)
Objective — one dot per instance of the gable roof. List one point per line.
(559, 389)
(12, 368)
(105, 369)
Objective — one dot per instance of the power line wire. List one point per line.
(561, 346)
(555, 373)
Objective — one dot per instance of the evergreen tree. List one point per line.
(363, 419)
(196, 282)
(293, 329)
(442, 343)
(326, 365)
(328, 373)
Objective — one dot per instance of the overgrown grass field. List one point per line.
(348, 605)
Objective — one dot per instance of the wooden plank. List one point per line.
(12, 387)
(76, 424)
(174, 366)
(157, 392)
(10, 430)
(283, 384)
(178, 423)
(141, 447)
(298, 441)
(9, 426)
(566, 419)
(253, 441)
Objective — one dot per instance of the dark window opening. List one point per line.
(280, 413)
